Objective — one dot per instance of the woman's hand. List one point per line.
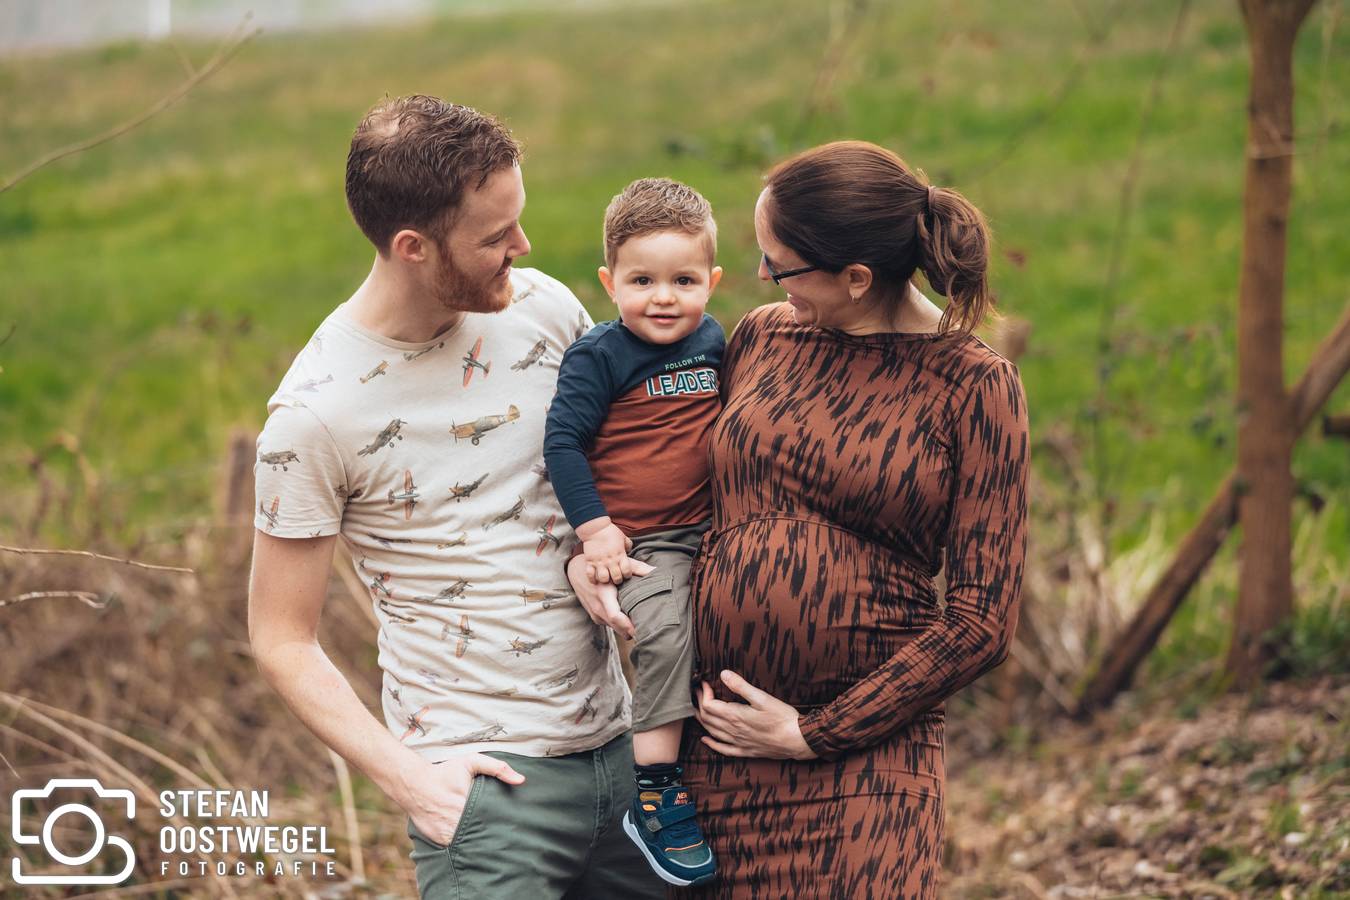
(765, 728)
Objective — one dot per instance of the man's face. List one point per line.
(473, 266)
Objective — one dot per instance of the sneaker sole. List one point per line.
(631, 830)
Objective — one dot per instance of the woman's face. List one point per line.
(818, 298)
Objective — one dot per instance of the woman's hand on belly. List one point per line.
(763, 727)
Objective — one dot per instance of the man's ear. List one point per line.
(409, 246)
(859, 279)
(714, 277)
(607, 279)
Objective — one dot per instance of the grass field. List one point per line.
(159, 284)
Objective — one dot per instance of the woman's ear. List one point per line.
(859, 280)
(607, 279)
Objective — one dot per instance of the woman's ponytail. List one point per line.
(954, 257)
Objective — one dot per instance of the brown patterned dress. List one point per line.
(842, 467)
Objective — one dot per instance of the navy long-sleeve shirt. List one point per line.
(627, 432)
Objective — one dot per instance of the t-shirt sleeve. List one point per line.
(585, 389)
(986, 548)
(299, 476)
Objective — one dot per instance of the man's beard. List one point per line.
(459, 291)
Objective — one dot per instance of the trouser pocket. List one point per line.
(662, 655)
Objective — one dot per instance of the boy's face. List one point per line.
(661, 283)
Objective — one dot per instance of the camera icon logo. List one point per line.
(101, 836)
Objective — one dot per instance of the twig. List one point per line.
(1329, 25)
(188, 69)
(12, 328)
(128, 890)
(1096, 37)
(1106, 323)
(103, 762)
(26, 551)
(9, 765)
(854, 14)
(88, 598)
(344, 779)
(228, 49)
(1049, 683)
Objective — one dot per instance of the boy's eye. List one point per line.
(684, 281)
(642, 280)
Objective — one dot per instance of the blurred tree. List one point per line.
(1265, 483)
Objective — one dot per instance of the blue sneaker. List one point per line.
(662, 824)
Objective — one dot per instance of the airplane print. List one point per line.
(472, 362)
(408, 497)
(474, 431)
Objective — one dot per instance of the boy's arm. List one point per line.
(586, 386)
(585, 389)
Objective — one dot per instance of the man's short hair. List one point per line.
(649, 205)
(411, 160)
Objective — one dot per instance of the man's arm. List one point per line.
(285, 599)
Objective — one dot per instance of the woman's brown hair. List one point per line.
(854, 202)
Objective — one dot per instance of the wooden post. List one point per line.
(234, 503)
(1329, 365)
(1265, 439)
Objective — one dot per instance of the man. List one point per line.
(411, 426)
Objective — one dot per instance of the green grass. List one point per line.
(160, 283)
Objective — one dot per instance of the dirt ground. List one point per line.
(1240, 797)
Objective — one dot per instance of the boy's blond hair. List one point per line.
(649, 205)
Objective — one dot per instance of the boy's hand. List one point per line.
(601, 601)
(606, 550)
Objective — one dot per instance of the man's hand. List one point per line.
(601, 601)
(434, 795)
(606, 549)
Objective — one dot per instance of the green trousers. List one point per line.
(558, 836)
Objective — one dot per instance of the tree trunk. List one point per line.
(1265, 483)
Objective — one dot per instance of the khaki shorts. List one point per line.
(658, 605)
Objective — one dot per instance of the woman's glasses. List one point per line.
(779, 276)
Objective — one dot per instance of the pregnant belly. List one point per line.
(802, 609)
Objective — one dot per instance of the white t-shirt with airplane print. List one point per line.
(427, 460)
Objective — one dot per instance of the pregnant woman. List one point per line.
(866, 432)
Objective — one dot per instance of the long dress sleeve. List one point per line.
(986, 550)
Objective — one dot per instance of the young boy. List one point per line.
(626, 449)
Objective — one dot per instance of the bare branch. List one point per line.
(28, 551)
(88, 598)
(836, 50)
(227, 51)
(1097, 36)
(188, 69)
(1106, 323)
